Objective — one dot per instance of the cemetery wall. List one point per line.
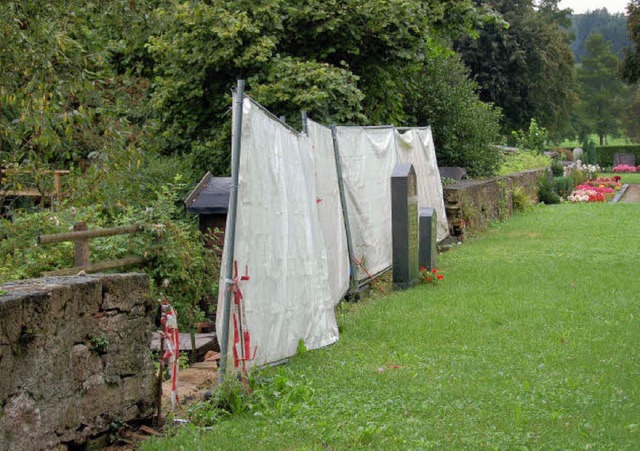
(74, 358)
(471, 205)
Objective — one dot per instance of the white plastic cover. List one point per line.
(279, 240)
(330, 209)
(415, 145)
(368, 156)
(290, 233)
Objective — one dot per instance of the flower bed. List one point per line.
(597, 190)
(626, 168)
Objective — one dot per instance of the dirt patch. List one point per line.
(632, 194)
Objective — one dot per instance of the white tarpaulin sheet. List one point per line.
(290, 236)
(279, 239)
(415, 146)
(368, 156)
(330, 209)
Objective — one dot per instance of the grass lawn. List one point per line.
(621, 141)
(532, 341)
(633, 177)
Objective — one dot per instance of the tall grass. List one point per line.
(530, 342)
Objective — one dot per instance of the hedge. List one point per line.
(604, 154)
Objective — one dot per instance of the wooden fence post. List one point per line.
(81, 246)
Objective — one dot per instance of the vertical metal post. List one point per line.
(230, 231)
(305, 120)
(345, 211)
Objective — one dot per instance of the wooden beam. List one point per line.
(198, 189)
(102, 266)
(73, 236)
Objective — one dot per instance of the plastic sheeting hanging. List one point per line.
(415, 145)
(290, 237)
(330, 209)
(279, 240)
(368, 156)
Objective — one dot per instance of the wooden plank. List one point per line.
(23, 193)
(202, 341)
(95, 267)
(81, 247)
(198, 189)
(73, 236)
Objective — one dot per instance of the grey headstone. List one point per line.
(404, 225)
(577, 153)
(428, 233)
(624, 158)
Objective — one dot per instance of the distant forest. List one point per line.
(612, 26)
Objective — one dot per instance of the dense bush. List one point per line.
(557, 169)
(563, 186)
(170, 240)
(546, 194)
(464, 128)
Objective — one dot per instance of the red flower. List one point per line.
(440, 277)
(428, 279)
(435, 271)
(422, 268)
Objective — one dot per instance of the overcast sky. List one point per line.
(582, 6)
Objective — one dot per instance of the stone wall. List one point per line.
(74, 358)
(471, 205)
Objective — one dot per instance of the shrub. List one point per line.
(170, 240)
(557, 169)
(589, 155)
(546, 194)
(521, 200)
(535, 139)
(577, 177)
(563, 186)
(522, 161)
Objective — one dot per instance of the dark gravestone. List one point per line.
(404, 225)
(624, 158)
(428, 234)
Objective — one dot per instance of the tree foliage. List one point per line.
(602, 94)
(631, 65)
(526, 67)
(611, 26)
(464, 128)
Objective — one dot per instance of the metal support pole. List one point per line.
(230, 232)
(345, 211)
(305, 120)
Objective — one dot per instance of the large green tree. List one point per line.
(344, 61)
(525, 67)
(602, 94)
(631, 64)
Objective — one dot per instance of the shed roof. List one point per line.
(210, 196)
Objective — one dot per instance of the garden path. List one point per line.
(632, 194)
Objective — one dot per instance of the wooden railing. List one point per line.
(80, 237)
(57, 184)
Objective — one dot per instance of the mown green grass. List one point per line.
(531, 342)
(611, 141)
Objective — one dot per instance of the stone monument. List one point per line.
(404, 225)
(428, 234)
